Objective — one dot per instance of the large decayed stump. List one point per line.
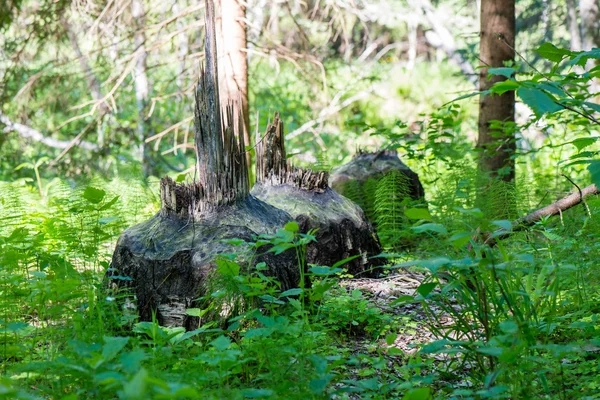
(358, 179)
(170, 258)
(342, 228)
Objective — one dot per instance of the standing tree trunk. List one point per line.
(497, 113)
(142, 88)
(233, 60)
(589, 10)
(572, 22)
(183, 47)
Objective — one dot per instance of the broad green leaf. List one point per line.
(112, 346)
(221, 343)
(460, 239)
(502, 71)
(109, 204)
(504, 86)
(553, 53)
(582, 58)
(319, 290)
(594, 169)
(136, 388)
(438, 228)
(257, 393)
(474, 212)
(390, 338)
(491, 351)
(509, 326)
(291, 292)
(292, 226)
(593, 106)
(504, 224)
(324, 271)
(227, 267)
(539, 101)
(423, 393)
(551, 87)
(418, 213)
(180, 178)
(196, 312)
(425, 288)
(93, 195)
(582, 143)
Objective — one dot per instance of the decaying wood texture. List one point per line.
(342, 230)
(273, 168)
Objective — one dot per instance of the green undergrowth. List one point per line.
(516, 320)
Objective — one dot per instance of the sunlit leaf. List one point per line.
(93, 195)
(553, 53)
(539, 101)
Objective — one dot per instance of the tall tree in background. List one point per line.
(589, 11)
(497, 113)
(142, 87)
(233, 60)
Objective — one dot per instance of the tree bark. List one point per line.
(142, 88)
(497, 42)
(589, 11)
(233, 61)
(574, 29)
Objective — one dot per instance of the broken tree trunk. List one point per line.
(169, 260)
(342, 230)
(358, 179)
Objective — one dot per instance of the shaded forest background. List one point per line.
(117, 76)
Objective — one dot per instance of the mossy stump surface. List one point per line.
(170, 258)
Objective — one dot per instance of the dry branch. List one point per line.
(558, 207)
(30, 133)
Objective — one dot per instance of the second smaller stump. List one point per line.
(342, 230)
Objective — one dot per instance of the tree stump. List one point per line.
(342, 228)
(167, 261)
(358, 179)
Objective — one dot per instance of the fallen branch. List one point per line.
(558, 207)
(30, 133)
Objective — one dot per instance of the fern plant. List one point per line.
(392, 196)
